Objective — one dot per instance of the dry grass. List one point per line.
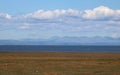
(59, 63)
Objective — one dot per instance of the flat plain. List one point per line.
(59, 63)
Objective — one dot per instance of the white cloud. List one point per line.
(5, 16)
(101, 12)
(41, 14)
(98, 13)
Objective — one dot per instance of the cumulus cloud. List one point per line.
(102, 12)
(42, 14)
(97, 13)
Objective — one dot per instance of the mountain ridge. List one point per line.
(65, 41)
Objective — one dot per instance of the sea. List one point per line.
(58, 48)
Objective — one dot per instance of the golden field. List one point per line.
(58, 63)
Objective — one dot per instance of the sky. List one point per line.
(43, 19)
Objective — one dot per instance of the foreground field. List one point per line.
(59, 63)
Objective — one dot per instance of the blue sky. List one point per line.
(27, 6)
(30, 19)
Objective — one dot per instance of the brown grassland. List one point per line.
(53, 63)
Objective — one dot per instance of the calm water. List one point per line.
(33, 48)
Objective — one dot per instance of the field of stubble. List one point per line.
(59, 63)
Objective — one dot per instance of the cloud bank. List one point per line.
(101, 12)
(100, 21)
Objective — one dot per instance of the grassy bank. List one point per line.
(59, 63)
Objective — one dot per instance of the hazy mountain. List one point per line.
(65, 41)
